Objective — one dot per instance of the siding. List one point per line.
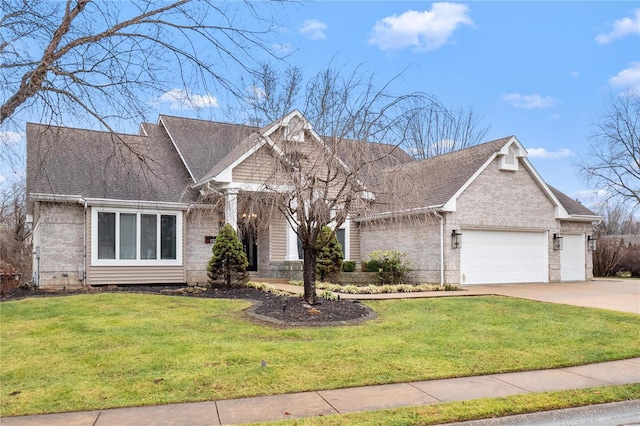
(258, 168)
(105, 275)
(277, 239)
(354, 237)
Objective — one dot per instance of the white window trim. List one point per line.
(135, 262)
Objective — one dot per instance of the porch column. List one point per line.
(231, 207)
(291, 243)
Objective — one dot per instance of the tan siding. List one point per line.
(258, 168)
(278, 239)
(354, 236)
(104, 275)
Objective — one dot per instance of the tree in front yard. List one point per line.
(329, 260)
(228, 265)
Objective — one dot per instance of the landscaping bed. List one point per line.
(270, 307)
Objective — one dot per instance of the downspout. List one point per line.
(439, 216)
(84, 244)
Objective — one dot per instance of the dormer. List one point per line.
(509, 155)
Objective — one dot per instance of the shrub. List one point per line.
(391, 266)
(348, 266)
(630, 260)
(227, 267)
(606, 257)
(614, 257)
(329, 260)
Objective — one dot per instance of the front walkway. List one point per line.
(616, 295)
(350, 400)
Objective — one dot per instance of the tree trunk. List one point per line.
(309, 274)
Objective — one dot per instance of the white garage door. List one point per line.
(572, 258)
(503, 257)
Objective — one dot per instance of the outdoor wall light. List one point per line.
(557, 242)
(456, 239)
(592, 243)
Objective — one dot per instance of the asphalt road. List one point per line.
(625, 413)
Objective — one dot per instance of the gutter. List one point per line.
(107, 202)
(406, 212)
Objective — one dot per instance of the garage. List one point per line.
(572, 258)
(491, 257)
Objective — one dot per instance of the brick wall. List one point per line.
(199, 223)
(59, 234)
(419, 238)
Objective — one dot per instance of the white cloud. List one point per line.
(528, 101)
(8, 137)
(549, 155)
(313, 29)
(621, 28)
(2, 179)
(427, 30)
(628, 78)
(555, 117)
(575, 74)
(282, 47)
(181, 99)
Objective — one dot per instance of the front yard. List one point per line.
(105, 350)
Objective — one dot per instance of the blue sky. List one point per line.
(542, 71)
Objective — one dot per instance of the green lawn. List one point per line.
(111, 350)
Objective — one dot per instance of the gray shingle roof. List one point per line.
(572, 206)
(203, 144)
(97, 164)
(433, 181)
(94, 164)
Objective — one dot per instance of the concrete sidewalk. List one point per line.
(341, 401)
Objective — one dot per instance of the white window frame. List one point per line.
(135, 262)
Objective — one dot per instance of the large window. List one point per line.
(136, 238)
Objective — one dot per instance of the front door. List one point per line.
(250, 246)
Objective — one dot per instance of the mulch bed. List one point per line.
(267, 307)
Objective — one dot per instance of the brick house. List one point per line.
(136, 209)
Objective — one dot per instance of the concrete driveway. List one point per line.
(616, 295)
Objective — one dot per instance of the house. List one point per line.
(140, 209)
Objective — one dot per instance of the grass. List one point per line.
(105, 350)
(474, 410)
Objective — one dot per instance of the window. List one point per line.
(128, 237)
(340, 235)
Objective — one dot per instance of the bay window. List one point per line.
(128, 237)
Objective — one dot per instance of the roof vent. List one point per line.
(295, 130)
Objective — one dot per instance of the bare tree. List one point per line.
(435, 129)
(354, 131)
(15, 252)
(613, 164)
(105, 60)
(618, 220)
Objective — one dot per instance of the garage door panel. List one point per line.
(503, 257)
(572, 258)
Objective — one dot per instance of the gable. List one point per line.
(505, 198)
